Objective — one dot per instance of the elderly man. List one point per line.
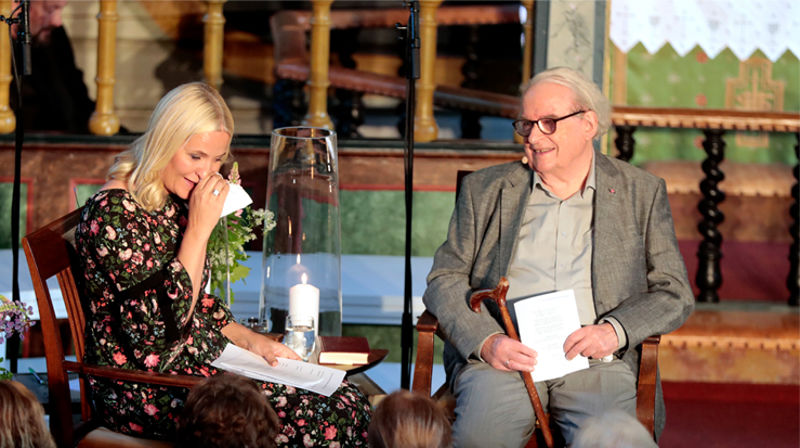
(566, 217)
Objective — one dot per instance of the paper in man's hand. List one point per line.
(544, 323)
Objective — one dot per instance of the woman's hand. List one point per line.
(204, 209)
(270, 349)
(266, 347)
(205, 203)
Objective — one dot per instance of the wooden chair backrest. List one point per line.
(50, 252)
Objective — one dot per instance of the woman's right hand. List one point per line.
(205, 207)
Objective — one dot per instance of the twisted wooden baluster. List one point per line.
(793, 281)
(625, 142)
(709, 277)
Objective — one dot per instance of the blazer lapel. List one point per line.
(608, 203)
(513, 197)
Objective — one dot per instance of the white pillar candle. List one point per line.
(304, 300)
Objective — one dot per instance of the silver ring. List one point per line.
(508, 363)
(215, 192)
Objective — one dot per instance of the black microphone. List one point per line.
(24, 34)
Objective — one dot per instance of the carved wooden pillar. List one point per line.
(7, 119)
(320, 54)
(709, 276)
(425, 128)
(625, 142)
(793, 281)
(104, 121)
(213, 41)
(527, 52)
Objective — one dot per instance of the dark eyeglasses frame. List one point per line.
(521, 124)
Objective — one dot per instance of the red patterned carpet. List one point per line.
(731, 415)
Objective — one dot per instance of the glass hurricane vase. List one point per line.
(302, 254)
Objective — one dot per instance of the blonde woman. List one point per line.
(142, 240)
(22, 418)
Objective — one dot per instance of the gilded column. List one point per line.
(7, 119)
(320, 54)
(214, 35)
(527, 52)
(425, 129)
(104, 121)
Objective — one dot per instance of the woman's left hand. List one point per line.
(264, 346)
(270, 349)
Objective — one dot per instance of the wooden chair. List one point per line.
(51, 253)
(428, 325)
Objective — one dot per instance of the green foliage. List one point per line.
(225, 254)
(226, 246)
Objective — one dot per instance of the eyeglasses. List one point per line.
(546, 125)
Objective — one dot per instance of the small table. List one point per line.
(376, 355)
(355, 374)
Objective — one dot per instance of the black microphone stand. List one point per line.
(411, 39)
(24, 39)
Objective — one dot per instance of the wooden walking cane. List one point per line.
(498, 294)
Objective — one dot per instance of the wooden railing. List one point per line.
(714, 124)
(104, 120)
(294, 62)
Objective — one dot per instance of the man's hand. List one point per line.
(504, 353)
(592, 341)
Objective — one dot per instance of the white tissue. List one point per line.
(237, 199)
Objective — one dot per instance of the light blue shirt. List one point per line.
(554, 248)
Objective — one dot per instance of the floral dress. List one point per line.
(139, 298)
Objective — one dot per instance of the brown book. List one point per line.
(343, 350)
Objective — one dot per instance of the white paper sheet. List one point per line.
(237, 199)
(319, 379)
(544, 323)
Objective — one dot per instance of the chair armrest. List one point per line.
(423, 368)
(137, 376)
(646, 389)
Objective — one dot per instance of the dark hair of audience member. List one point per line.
(227, 411)
(409, 420)
(22, 423)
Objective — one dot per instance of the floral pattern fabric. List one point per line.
(138, 317)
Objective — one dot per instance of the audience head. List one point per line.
(409, 420)
(587, 95)
(189, 114)
(22, 417)
(227, 411)
(45, 16)
(613, 428)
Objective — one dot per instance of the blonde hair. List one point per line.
(22, 418)
(409, 420)
(185, 111)
(586, 93)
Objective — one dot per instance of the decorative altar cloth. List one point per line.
(772, 26)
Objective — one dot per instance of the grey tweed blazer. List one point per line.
(638, 274)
